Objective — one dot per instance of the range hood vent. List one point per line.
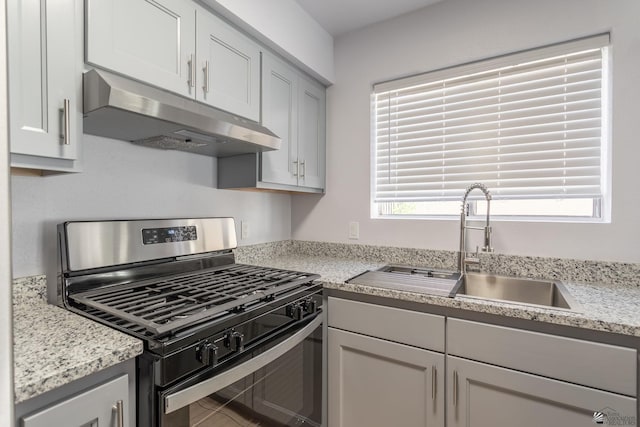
(116, 107)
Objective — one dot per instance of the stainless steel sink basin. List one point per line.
(545, 293)
(541, 293)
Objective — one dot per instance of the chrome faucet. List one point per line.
(464, 260)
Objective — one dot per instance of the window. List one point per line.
(532, 126)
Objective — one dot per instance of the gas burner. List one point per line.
(167, 304)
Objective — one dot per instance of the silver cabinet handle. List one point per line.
(455, 389)
(192, 72)
(66, 125)
(205, 70)
(434, 382)
(295, 168)
(304, 169)
(118, 408)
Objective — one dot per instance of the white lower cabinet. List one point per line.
(385, 366)
(527, 378)
(485, 395)
(104, 405)
(379, 383)
(495, 375)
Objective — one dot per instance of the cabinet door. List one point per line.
(280, 115)
(486, 395)
(44, 75)
(150, 40)
(93, 408)
(229, 63)
(311, 134)
(377, 383)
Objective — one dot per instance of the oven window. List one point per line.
(287, 392)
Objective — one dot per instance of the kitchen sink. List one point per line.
(545, 293)
(542, 293)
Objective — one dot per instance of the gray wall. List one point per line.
(121, 180)
(455, 32)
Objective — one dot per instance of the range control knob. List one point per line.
(310, 306)
(234, 340)
(238, 339)
(295, 310)
(207, 353)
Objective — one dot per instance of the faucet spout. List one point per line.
(463, 227)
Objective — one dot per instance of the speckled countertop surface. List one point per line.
(53, 346)
(605, 307)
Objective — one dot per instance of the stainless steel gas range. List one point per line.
(225, 343)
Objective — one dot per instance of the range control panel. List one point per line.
(151, 236)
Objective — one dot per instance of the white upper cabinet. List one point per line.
(150, 40)
(293, 107)
(156, 42)
(45, 84)
(311, 134)
(229, 64)
(280, 115)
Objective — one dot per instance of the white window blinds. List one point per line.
(528, 125)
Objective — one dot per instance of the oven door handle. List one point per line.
(192, 394)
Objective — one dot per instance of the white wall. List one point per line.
(287, 28)
(454, 32)
(120, 181)
(6, 301)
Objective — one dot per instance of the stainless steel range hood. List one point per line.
(116, 107)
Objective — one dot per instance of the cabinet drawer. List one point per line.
(404, 326)
(92, 407)
(597, 365)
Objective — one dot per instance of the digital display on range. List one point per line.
(151, 236)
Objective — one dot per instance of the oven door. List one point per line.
(277, 384)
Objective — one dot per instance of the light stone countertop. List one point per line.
(53, 346)
(608, 308)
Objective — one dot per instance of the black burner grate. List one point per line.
(166, 304)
